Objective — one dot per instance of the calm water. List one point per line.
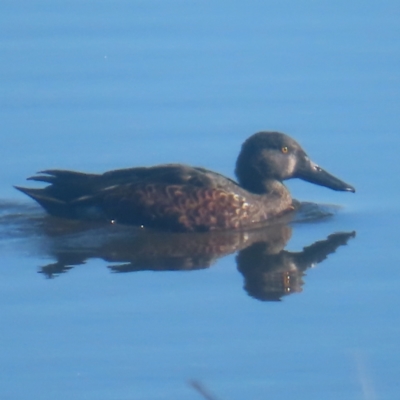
(89, 312)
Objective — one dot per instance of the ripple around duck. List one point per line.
(312, 212)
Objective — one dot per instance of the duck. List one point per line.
(182, 198)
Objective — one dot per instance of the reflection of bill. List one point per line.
(269, 271)
(270, 275)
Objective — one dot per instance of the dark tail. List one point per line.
(50, 204)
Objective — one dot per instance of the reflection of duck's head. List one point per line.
(271, 274)
(270, 157)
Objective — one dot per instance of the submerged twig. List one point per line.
(199, 387)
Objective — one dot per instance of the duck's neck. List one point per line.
(276, 188)
(266, 186)
(273, 196)
(275, 193)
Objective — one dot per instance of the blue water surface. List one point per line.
(100, 85)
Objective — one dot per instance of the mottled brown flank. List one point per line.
(180, 207)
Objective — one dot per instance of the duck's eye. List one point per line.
(284, 149)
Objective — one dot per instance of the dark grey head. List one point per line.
(267, 156)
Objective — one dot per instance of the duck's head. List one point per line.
(274, 156)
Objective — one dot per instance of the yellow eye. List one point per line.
(284, 149)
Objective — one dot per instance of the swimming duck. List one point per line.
(182, 198)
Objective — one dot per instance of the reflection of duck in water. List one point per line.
(269, 271)
(182, 198)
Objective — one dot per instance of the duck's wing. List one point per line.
(70, 185)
